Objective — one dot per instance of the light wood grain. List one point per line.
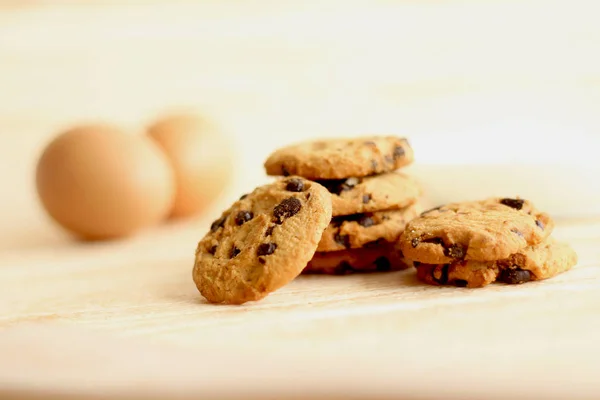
(370, 336)
(123, 320)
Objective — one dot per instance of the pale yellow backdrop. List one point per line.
(497, 97)
(490, 82)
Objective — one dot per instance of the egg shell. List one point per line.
(201, 158)
(101, 183)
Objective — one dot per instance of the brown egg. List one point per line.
(200, 156)
(101, 183)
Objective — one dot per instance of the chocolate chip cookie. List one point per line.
(262, 242)
(341, 158)
(372, 193)
(385, 257)
(487, 230)
(367, 229)
(533, 263)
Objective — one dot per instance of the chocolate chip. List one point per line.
(218, 223)
(455, 251)
(242, 197)
(262, 260)
(366, 198)
(308, 196)
(514, 276)
(374, 165)
(366, 221)
(460, 283)
(286, 209)
(374, 243)
(212, 250)
(344, 186)
(243, 216)
(234, 252)
(443, 279)
(389, 159)
(344, 240)
(343, 268)
(285, 172)
(539, 223)
(383, 264)
(398, 152)
(269, 230)
(415, 242)
(416, 264)
(431, 210)
(518, 232)
(351, 182)
(517, 204)
(295, 185)
(266, 248)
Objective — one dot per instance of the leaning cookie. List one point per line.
(367, 229)
(341, 158)
(382, 258)
(533, 263)
(487, 230)
(262, 242)
(372, 193)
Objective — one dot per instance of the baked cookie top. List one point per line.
(491, 229)
(382, 258)
(367, 229)
(262, 242)
(371, 193)
(533, 263)
(341, 158)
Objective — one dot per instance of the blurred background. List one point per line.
(497, 97)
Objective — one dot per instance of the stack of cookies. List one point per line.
(472, 244)
(371, 201)
(270, 236)
(342, 207)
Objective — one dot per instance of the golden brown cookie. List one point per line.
(486, 230)
(262, 242)
(384, 257)
(371, 193)
(341, 158)
(460, 273)
(533, 263)
(367, 229)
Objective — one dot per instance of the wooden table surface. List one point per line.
(123, 320)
